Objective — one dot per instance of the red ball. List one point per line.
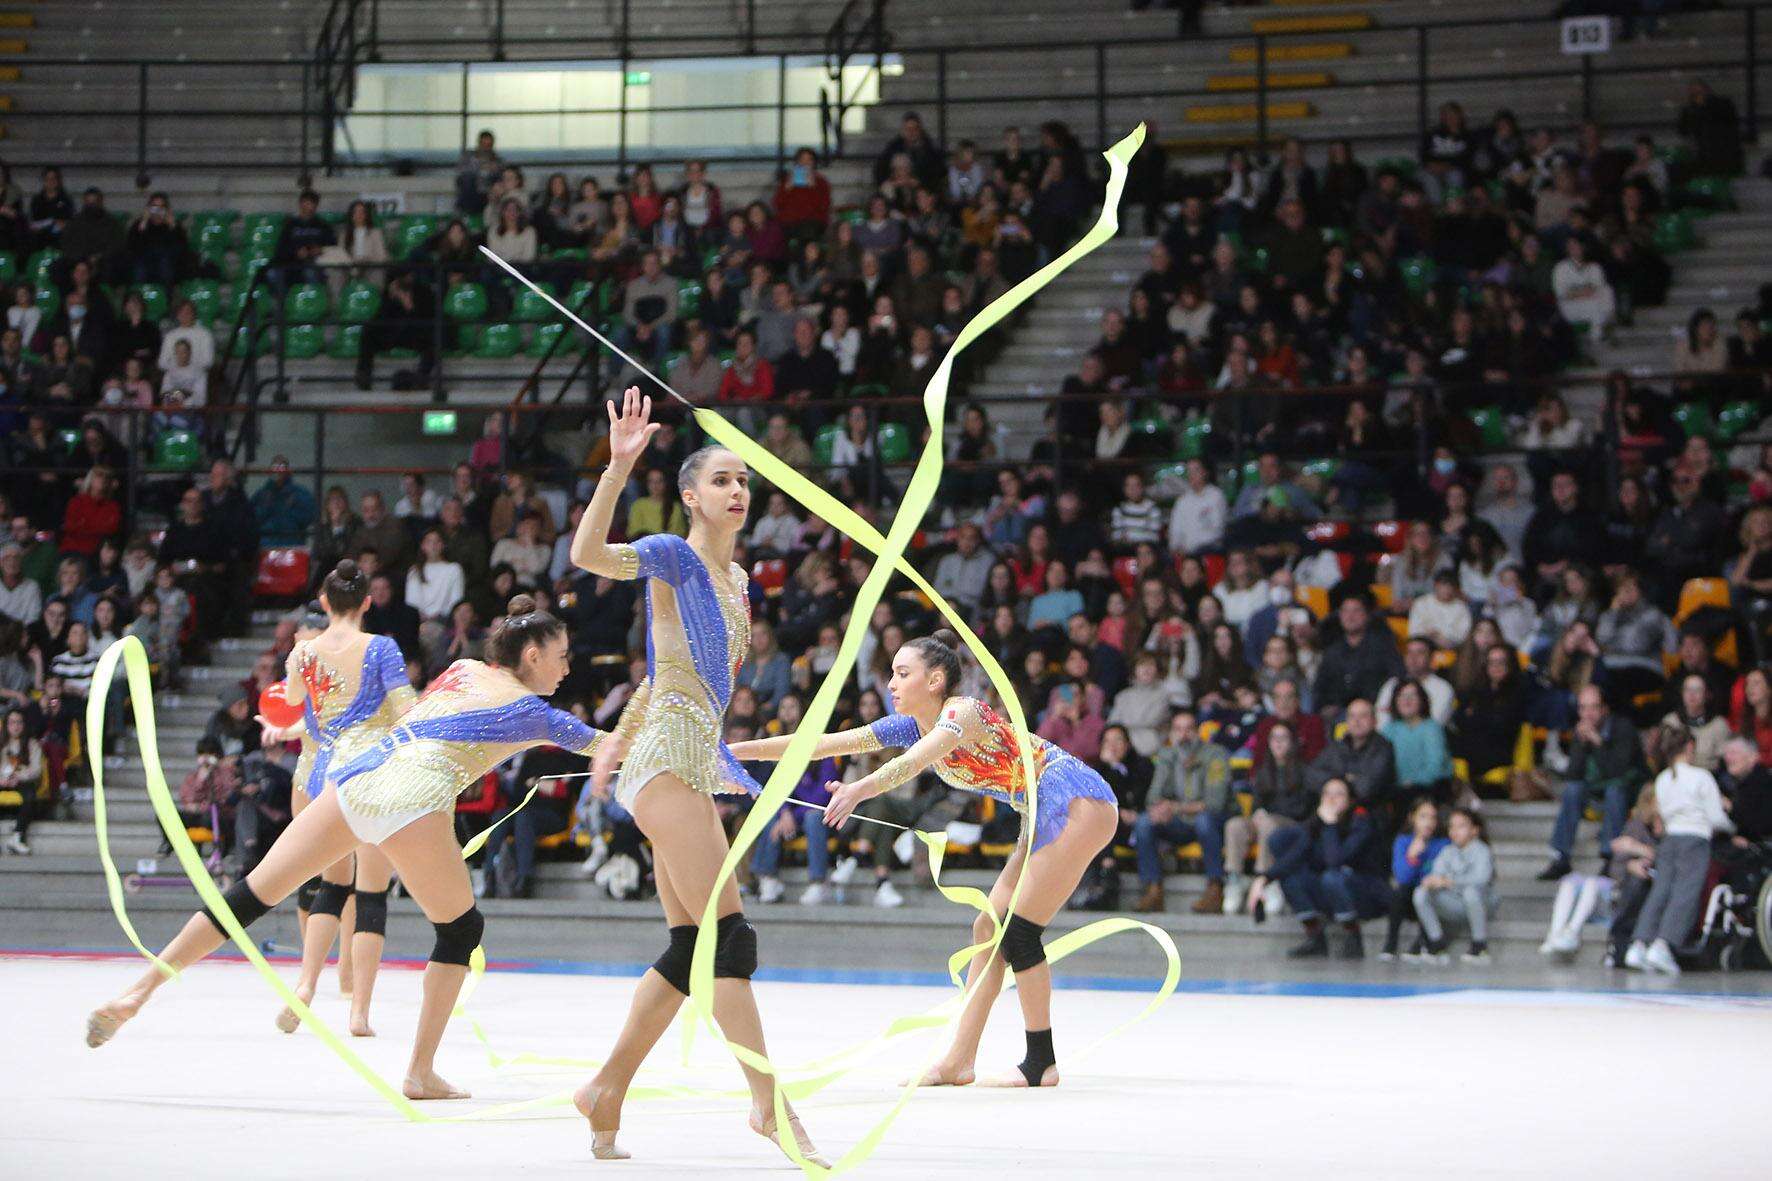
(275, 709)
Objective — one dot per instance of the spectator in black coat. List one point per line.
(230, 514)
(1362, 757)
(92, 233)
(51, 208)
(303, 239)
(1686, 540)
(1711, 125)
(198, 554)
(155, 247)
(1559, 533)
(388, 616)
(928, 161)
(806, 376)
(1357, 664)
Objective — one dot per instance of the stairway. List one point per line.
(1724, 274)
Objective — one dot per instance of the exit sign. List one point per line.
(439, 422)
(639, 77)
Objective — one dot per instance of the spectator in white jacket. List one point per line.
(1442, 616)
(1583, 294)
(774, 535)
(200, 338)
(434, 585)
(1143, 706)
(1691, 807)
(1196, 523)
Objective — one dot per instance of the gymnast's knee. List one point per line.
(245, 905)
(304, 897)
(983, 927)
(457, 939)
(1022, 944)
(673, 965)
(330, 899)
(735, 948)
(372, 912)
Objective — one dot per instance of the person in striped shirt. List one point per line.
(1136, 520)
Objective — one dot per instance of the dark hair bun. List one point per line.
(520, 605)
(946, 637)
(347, 570)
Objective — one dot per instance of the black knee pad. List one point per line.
(673, 965)
(372, 912)
(1022, 946)
(330, 899)
(304, 896)
(457, 939)
(735, 948)
(243, 902)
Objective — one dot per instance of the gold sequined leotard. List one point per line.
(471, 719)
(346, 710)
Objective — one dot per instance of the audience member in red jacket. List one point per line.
(803, 196)
(749, 378)
(92, 515)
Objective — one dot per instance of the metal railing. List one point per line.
(859, 31)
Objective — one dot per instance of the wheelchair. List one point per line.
(1737, 931)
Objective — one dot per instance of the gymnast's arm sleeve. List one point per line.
(396, 685)
(568, 733)
(860, 740)
(927, 751)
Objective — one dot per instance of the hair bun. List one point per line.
(520, 605)
(347, 570)
(946, 637)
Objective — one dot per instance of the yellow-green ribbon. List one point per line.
(890, 550)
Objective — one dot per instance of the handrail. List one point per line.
(869, 36)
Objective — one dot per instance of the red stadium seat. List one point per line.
(1126, 574)
(771, 574)
(1214, 569)
(1346, 562)
(1392, 535)
(282, 574)
(1329, 532)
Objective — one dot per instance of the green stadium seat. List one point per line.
(346, 343)
(824, 444)
(306, 303)
(235, 303)
(1714, 192)
(211, 239)
(1674, 233)
(580, 292)
(1737, 418)
(1491, 423)
(49, 300)
(1695, 419)
(252, 263)
(531, 308)
(8, 267)
(542, 338)
(39, 266)
(414, 232)
(1196, 432)
(688, 298)
(466, 303)
(1321, 469)
(499, 341)
(358, 302)
(302, 341)
(893, 443)
(262, 230)
(176, 451)
(205, 297)
(70, 438)
(461, 341)
(570, 254)
(1418, 275)
(156, 304)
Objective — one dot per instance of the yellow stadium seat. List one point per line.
(1699, 593)
(1315, 599)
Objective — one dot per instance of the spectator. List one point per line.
(435, 584)
(21, 599)
(749, 377)
(93, 514)
(1584, 297)
(475, 176)
(1691, 808)
(961, 575)
(1309, 736)
(380, 531)
(1412, 859)
(1189, 800)
(1635, 637)
(417, 504)
(1747, 782)
(1605, 761)
(807, 375)
(1418, 666)
(1460, 888)
(1282, 799)
(1486, 726)
(1075, 724)
(21, 771)
(1442, 618)
(386, 616)
(1710, 126)
(405, 321)
(1136, 520)
(1331, 866)
(1698, 716)
(1752, 716)
(154, 247)
(283, 509)
(1362, 757)
(188, 331)
(303, 239)
(1559, 533)
(1357, 664)
(650, 309)
(768, 671)
(1687, 538)
(1423, 759)
(1197, 522)
(526, 553)
(1270, 477)
(924, 156)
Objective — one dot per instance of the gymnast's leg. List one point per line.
(315, 839)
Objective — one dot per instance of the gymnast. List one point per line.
(970, 747)
(698, 631)
(351, 687)
(399, 796)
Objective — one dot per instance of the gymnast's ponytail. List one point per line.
(522, 626)
(940, 651)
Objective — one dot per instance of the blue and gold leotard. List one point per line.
(344, 709)
(698, 629)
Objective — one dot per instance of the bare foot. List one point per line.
(945, 1074)
(103, 1022)
(360, 1026)
(765, 1126)
(601, 1105)
(287, 1020)
(431, 1085)
(1016, 1079)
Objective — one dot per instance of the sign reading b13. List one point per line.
(1587, 34)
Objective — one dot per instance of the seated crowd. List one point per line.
(1310, 708)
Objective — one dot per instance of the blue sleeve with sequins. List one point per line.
(568, 733)
(898, 730)
(666, 557)
(390, 665)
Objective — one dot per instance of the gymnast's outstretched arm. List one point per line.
(923, 754)
(629, 433)
(858, 741)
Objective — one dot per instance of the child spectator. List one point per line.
(1460, 888)
(1412, 858)
(1691, 807)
